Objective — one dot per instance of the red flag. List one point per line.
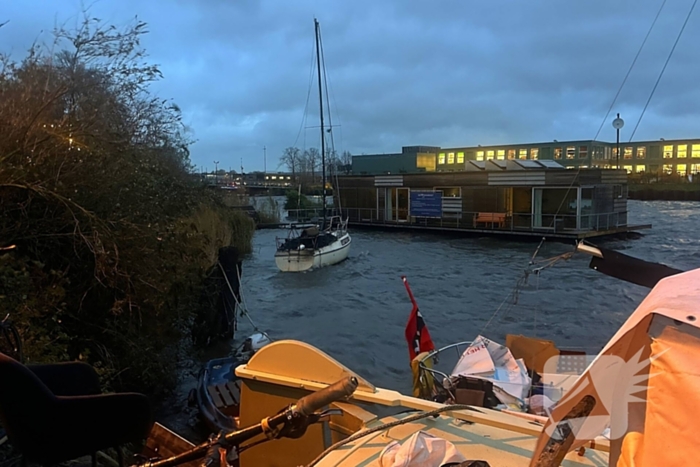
(417, 334)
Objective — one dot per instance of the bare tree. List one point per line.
(346, 163)
(313, 157)
(291, 158)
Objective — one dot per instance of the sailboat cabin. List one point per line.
(511, 196)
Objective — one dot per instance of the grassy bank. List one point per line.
(112, 239)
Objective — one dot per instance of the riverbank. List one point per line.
(664, 191)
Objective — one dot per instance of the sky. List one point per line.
(401, 72)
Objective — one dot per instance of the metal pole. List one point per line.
(216, 173)
(618, 146)
(265, 159)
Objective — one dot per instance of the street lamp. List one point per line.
(617, 124)
(216, 173)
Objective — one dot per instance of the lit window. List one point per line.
(460, 158)
(668, 169)
(511, 154)
(583, 152)
(570, 152)
(680, 169)
(570, 166)
(682, 151)
(642, 152)
(695, 150)
(450, 157)
(557, 153)
(501, 154)
(441, 158)
(480, 155)
(522, 154)
(627, 153)
(489, 155)
(628, 168)
(641, 169)
(694, 169)
(668, 152)
(534, 153)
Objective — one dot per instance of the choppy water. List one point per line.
(356, 311)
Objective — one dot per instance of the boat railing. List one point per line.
(475, 220)
(439, 377)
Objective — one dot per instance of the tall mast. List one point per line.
(320, 103)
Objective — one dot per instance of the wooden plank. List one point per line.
(233, 390)
(164, 443)
(228, 399)
(214, 393)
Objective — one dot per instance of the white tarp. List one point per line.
(490, 361)
(420, 450)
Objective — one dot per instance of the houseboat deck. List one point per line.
(486, 223)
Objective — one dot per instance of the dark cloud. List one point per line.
(403, 72)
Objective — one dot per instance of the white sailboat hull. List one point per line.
(306, 259)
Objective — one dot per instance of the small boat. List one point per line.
(321, 245)
(217, 394)
(314, 248)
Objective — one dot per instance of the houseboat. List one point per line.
(512, 197)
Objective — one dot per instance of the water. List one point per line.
(357, 311)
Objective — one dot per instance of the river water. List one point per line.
(356, 311)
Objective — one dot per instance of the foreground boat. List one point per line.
(647, 423)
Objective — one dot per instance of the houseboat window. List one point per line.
(489, 155)
(557, 153)
(511, 154)
(583, 152)
(641, 169)
(695, 150)
(586, 207)
(441, 158)
(551, 203)
(501, 154)
(694, 169)
(570, 152)
(522, 154)
(450, 157)
(460, 158)
(534, 153)
(668, 169)
(480, 155)
(449, 191)
(668, 152)
(680, 169)
(641, 152)
(682, 151)
(627, 154)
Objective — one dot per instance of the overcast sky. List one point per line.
(402, 72)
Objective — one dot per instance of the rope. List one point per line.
(386, 426)
(629, 71)
(244, 311)
(680, 33)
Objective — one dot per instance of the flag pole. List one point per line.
(408, 289)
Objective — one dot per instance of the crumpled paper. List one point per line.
(420, 450)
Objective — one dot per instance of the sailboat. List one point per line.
(318, 245)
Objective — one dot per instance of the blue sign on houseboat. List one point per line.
(426, 203)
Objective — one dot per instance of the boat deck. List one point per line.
(533, 233)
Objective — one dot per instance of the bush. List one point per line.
(113, 238)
